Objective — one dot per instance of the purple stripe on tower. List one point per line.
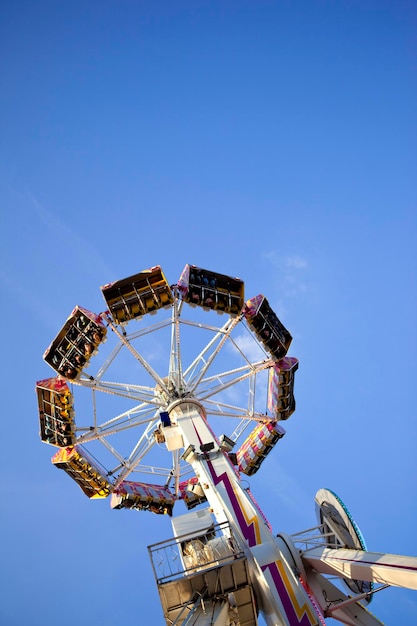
(287, 603)
(248, 530)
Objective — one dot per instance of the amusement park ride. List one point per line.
(160, 441)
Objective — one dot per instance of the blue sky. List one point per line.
(270, 140)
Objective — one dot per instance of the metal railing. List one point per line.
(184, 555)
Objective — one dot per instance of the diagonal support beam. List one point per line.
(389, 569)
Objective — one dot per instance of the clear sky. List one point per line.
(270, 140)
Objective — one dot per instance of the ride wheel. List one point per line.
(119, 372)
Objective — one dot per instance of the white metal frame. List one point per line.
(197, 379)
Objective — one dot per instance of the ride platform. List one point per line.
(203, 574)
